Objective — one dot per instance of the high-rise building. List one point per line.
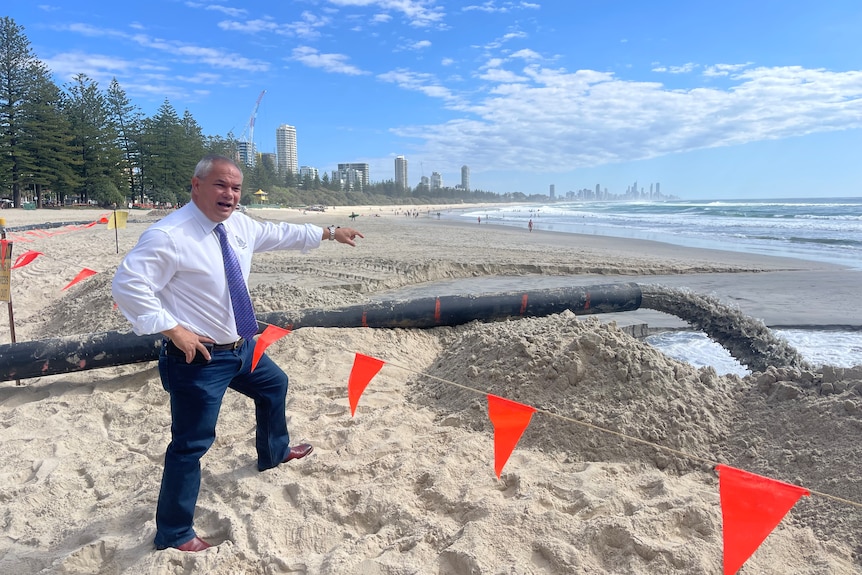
(307, 171)
(285, 147)
(465, 178)
(268, 160)
(552, 191)
(245, 155)
(436, 181)
(401, 180)
(360, 170)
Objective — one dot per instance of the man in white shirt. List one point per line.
(174, 282)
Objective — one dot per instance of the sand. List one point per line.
(408, 484)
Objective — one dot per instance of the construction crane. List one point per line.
(246, 139)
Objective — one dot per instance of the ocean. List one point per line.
(818, 229)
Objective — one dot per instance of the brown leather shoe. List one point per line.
(298, 451)
(194, 544)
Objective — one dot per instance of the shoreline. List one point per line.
(801, 293)
(454, 257)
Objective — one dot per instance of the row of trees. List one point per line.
(82, 143)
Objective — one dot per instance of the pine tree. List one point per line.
(48, 152)
(127, 119)
(165, 173)
(18, 67)
(191, 149)
(95, 140)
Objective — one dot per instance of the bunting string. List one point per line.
(602, 429)
(751, 505)
(29, 256)
(586, 424)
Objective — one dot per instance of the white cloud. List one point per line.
(684, 69)
(138, 78)
(499, 75)
(420, 45)
(526, 54)
(419, 13)
(188, 53)
(494, 63)
(724, 69)
(492, 6)
(494, 44)
(419, 82)
(334, 63)
(232, 12)
(250, 26)
(308, 26)
(562, 120)
(97, 66)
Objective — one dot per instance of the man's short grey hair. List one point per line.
(206, 164)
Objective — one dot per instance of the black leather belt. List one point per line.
(234, 345)
(172, 349)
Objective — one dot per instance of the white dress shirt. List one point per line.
(175, 274)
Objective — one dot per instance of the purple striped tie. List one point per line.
(243, 312)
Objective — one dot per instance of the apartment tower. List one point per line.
(355, 172)
(285, 147)
(401, 173)
(465, 178)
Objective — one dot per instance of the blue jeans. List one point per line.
(196, 395)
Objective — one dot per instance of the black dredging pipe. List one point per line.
(39, 358)
(456, 310)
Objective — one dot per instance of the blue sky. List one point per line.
(727, 99)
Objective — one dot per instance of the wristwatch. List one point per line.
(331, 232)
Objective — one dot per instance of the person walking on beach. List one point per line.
(187, 279)
(530, 224)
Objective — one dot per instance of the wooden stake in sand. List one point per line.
(6, 278)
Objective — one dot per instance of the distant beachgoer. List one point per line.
(530, 225)
(480, 219)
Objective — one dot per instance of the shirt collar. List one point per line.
(206, 224)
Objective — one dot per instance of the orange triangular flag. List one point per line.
(364, 370)
(751, 507)
(82, 275)
(510, 419)
(26, 258)
(271, 334)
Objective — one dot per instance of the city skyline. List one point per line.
(736, 100)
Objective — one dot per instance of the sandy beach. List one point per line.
(407, 485)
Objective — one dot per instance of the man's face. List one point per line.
(218, 193)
